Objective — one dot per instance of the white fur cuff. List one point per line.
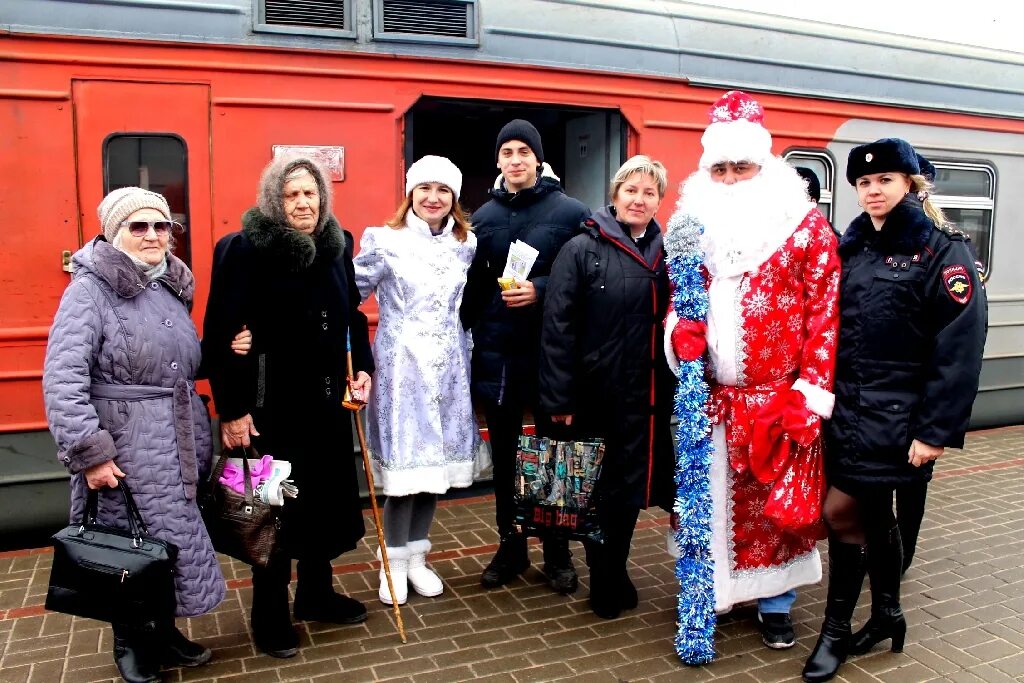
(819, 401)
(670, 354)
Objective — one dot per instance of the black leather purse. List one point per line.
(121, 576)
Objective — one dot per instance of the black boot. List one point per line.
(134, 655)
(558, 567)
(315, 599)
(845, 576)
(177, 650)
(272, 629)
(511, 560)
(627, 592)
(605, 577)
(910, 503)
(885, 564)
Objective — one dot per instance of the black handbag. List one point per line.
(241, 526)
(555, 484)
(122, 576)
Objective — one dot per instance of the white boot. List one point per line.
(423, 579)
(398, 560)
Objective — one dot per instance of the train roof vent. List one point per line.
(436, 21)
(326, 14)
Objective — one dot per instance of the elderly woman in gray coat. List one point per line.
(119, 386)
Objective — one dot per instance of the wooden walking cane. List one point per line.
(356, 404)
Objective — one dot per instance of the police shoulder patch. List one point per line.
(957, 282)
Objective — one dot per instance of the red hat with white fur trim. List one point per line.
(737, 131)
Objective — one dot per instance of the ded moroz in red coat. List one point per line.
(772, 330)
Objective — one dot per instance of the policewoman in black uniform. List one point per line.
(913, 320)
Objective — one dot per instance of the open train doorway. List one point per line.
(584, 147)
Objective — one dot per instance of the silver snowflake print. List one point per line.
(759, 304)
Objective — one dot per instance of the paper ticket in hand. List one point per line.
(521, 257)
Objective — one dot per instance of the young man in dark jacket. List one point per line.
(527, 204)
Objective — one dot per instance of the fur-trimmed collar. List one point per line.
(905, 231)
(118, 270)
(291, 249)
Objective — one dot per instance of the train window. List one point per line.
(332, 18)
(820, 162)
(966, 193)
(452, 22)
(154, 162)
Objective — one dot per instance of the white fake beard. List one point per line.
(744, 223)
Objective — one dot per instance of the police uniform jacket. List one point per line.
(913, 319)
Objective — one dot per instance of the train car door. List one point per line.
(156, 136)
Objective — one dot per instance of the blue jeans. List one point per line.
(778, 604)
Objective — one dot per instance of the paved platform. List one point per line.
(964, 599)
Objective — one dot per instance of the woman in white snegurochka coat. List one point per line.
(420, 423)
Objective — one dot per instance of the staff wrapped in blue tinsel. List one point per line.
(695, 640)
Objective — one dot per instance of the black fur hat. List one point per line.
(927, 170)
(520, 129)
(881, 156)
(813, 184)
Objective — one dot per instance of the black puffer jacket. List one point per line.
(913, 319)
(602, 358)
(506, 340)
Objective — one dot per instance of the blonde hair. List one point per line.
(918, 183)
(641, 163)
(460, 230)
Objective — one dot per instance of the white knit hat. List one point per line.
(125, 201)
(737, 131)
(434, 169)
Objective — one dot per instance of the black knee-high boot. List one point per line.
(845, 575)
(611, 591)
(910, 503)
(885, 568)
(315, 599)
(134, 654)
(272, 629)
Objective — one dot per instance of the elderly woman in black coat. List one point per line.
(911, 335)
(288, 277)
(602, 369)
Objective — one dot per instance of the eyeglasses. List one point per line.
(161, 227)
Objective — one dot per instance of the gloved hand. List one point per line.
(689, 339)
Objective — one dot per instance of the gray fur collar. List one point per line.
(289, 248)
(118, 270)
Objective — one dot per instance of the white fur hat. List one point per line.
(736, 132)
(434, 169)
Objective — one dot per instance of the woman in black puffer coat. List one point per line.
(603, 372)
(912, 330)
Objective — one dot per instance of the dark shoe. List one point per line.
(133, 656)
(845, 576)
(177, 650)
(627, 596)
(558, 567)
(333, 608)
(885, 564)
(511, 560)
(315, 599)
(776, 630)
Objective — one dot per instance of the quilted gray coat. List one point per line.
(118, 382)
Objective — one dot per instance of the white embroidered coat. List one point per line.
(421, 430)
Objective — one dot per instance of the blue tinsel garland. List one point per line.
(695, 640)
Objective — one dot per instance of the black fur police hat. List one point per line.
(927, 170)
(882, 156)
(813, 184)
(520, 129)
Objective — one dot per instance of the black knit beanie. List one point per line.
(519, 129)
